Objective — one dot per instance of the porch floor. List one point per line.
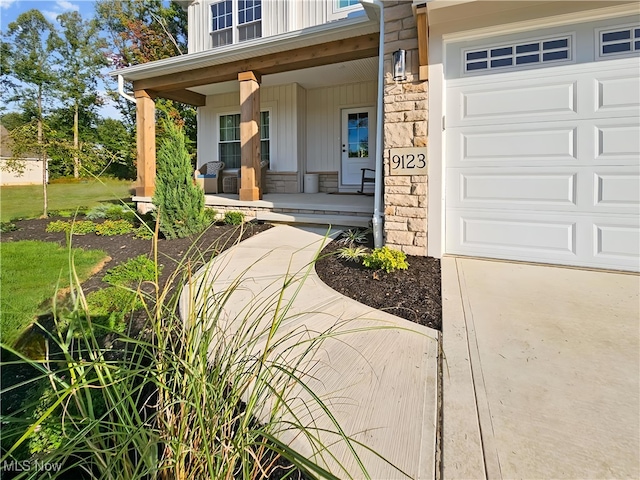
(345, 203)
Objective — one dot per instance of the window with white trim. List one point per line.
(346, 3)
(619, 41)
(229, 141)
(531, 52)
(234, 21)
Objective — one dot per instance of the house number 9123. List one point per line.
(408, 161)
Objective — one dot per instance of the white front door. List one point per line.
(358, 144)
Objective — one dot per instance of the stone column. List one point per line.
(250, 188)
(146, 144)
(405, 125)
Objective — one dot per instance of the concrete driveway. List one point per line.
(542, 371)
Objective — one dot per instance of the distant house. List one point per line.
(500, 129)
(30, 166)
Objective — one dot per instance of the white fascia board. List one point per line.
(350, 27)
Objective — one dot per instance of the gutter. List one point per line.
(121, 90)
(378, 216)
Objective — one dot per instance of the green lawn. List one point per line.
(30, 272)
(26, 201)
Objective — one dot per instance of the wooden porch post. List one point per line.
(146, 143)
(250, 136)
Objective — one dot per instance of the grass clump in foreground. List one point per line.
(31, 273)
(201, 396)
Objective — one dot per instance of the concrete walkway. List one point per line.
(378, 374)
(542, 372)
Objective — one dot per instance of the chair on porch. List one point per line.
(366, 179)
(209, 177)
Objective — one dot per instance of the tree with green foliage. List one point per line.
(179, 201)
(30, 64)
(82, 55)
(142, 31)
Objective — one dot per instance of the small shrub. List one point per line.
(98, 212)
(386, 259)
(6, 227)
(112, 212)
(57, 226)
(81, 227)
(108, 309)
(144, 232)
(352, 253)
(114, 227)
(62, 213)
(132, 272)
(210, 215)
(49, 436)
(179, 202)
(234, 218)
(353, 236)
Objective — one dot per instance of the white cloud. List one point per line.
(49, 15)
(64, 5)
(6, 3)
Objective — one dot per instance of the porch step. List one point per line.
(314, 218)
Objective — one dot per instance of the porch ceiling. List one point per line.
(336, 51)
(362, 70)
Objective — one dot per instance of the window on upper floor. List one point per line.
(346, 3)
(235, 21)
(229, 146)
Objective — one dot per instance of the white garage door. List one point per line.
(543, 164)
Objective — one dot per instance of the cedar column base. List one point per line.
(250, 194)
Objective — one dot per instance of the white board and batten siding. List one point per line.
(286, 104)
(543, 163)
(278, 16)
(324, 107)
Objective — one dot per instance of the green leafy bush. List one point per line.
(112, 212)
(6, 227)
(81, 227)
(108, 309)
(144, 232)
(114, 227)
(233, 218)
(179, 201)
(386, 259)
(132, 272)
(210, 215)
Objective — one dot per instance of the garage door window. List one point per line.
(619, 41)
(534, 52)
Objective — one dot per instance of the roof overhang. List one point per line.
(335, 42)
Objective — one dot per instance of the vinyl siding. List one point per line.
(324, 107)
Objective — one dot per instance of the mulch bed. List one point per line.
(412, 294)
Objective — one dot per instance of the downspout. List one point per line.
(377, 220)
(121, 90)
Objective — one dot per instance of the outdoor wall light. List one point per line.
(399, 65)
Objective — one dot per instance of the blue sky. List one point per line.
(10, 9)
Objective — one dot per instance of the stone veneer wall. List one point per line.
(328, 182)
(405, 125)
(282, 182)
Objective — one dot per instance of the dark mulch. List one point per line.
(413, 294)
